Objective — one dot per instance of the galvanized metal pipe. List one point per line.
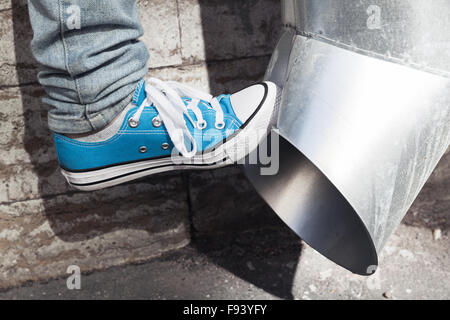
(364, 120)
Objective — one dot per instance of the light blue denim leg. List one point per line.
(91, 60)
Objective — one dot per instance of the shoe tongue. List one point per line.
(139, 94)
(225, 103)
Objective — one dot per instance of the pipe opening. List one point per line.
(315, 210)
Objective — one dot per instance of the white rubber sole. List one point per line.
(234, 149)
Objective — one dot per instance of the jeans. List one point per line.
(90, 59)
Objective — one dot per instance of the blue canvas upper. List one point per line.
(124, 146)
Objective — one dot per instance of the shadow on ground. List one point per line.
(266, 258)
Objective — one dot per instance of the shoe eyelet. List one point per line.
(202, 124)
(220, 125)
(132, 123)
(143, 149)
(156, 122)
(165, 146)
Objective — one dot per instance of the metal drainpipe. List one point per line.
(364, 120)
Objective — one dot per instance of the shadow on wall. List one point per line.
(242, 30)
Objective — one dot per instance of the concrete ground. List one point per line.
(265, 264)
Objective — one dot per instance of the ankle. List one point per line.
(104, 133)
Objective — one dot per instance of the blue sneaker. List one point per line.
(169, 126)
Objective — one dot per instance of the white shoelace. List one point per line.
(166, 97)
